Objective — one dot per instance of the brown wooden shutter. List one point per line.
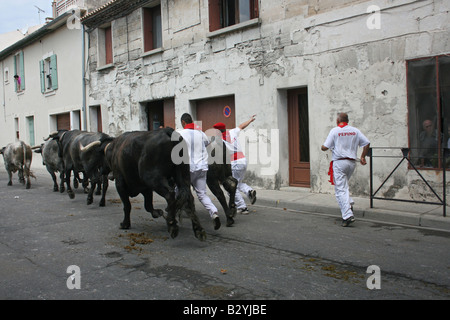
(148, 29)
(108, 46)
(214, 7)
(254, 9)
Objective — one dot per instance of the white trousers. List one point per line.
(198, 181)
(342, 171)
(238, 172)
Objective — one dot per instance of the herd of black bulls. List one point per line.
(140, 162)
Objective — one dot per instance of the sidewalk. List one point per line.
(407, 213)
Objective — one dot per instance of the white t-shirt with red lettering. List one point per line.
(344, 142)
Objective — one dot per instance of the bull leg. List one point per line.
(217, 191)
(169, 194)
(55, 183)
(10, 177)
(189, 208)
(69, 189)
(230, 185)
(76, 178)
(99, 188)
(148, 203)
(104, 188)
(21, 176)
(124, 196)
(61, 185)
(94, 181)
(185, 202)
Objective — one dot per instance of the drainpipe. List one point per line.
(83, 108)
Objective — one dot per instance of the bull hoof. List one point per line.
(102, 203)
(89, 201)
(200, 235)
(62, 189)
(28, 186)
(233, 212)
(230, 222)
(10, 183)
(71, 195)
(157, 213)
(173, 229)
(125, 225)
(55, 189)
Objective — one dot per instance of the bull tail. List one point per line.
(26, 162)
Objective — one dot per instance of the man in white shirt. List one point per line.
(197, 141)
(344, 141)
(238, 163)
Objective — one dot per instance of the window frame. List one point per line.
(19, 69)
(217, 13)
(48, 69)
(105, 50)
(440, 121)
(150, 42)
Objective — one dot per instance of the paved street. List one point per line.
(272, 253)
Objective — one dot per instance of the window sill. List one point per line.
(106, 66)
(49, 93)
(19, 93)
(152, 52)
(235, 27)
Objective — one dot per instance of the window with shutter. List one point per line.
(225, 13)
(152, 28)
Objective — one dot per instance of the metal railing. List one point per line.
(406, 157)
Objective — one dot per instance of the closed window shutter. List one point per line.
(42, 75)
(15, 72)
(54, 72)
(22, 72)
(214, 8)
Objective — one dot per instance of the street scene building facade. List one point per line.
(293, 63)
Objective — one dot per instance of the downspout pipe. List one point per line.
(83, 74)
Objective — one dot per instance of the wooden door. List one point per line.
(161, 113)
(211, 111)
(298, 131)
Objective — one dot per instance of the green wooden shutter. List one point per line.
(22, 71)
(15, 72)
(42, 75)
(54, 72)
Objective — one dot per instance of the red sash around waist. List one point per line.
(330, 170)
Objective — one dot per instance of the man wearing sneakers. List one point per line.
(197, 141)
(238, 163)
(344, 141)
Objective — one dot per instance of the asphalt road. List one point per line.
(270, 254)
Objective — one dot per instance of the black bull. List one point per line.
(141, 163)
(81, 152)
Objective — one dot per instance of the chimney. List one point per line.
(54, 9)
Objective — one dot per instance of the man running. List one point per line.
(344, 141)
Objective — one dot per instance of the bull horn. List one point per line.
(51, 135)
(89, 146)
(35, 147)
